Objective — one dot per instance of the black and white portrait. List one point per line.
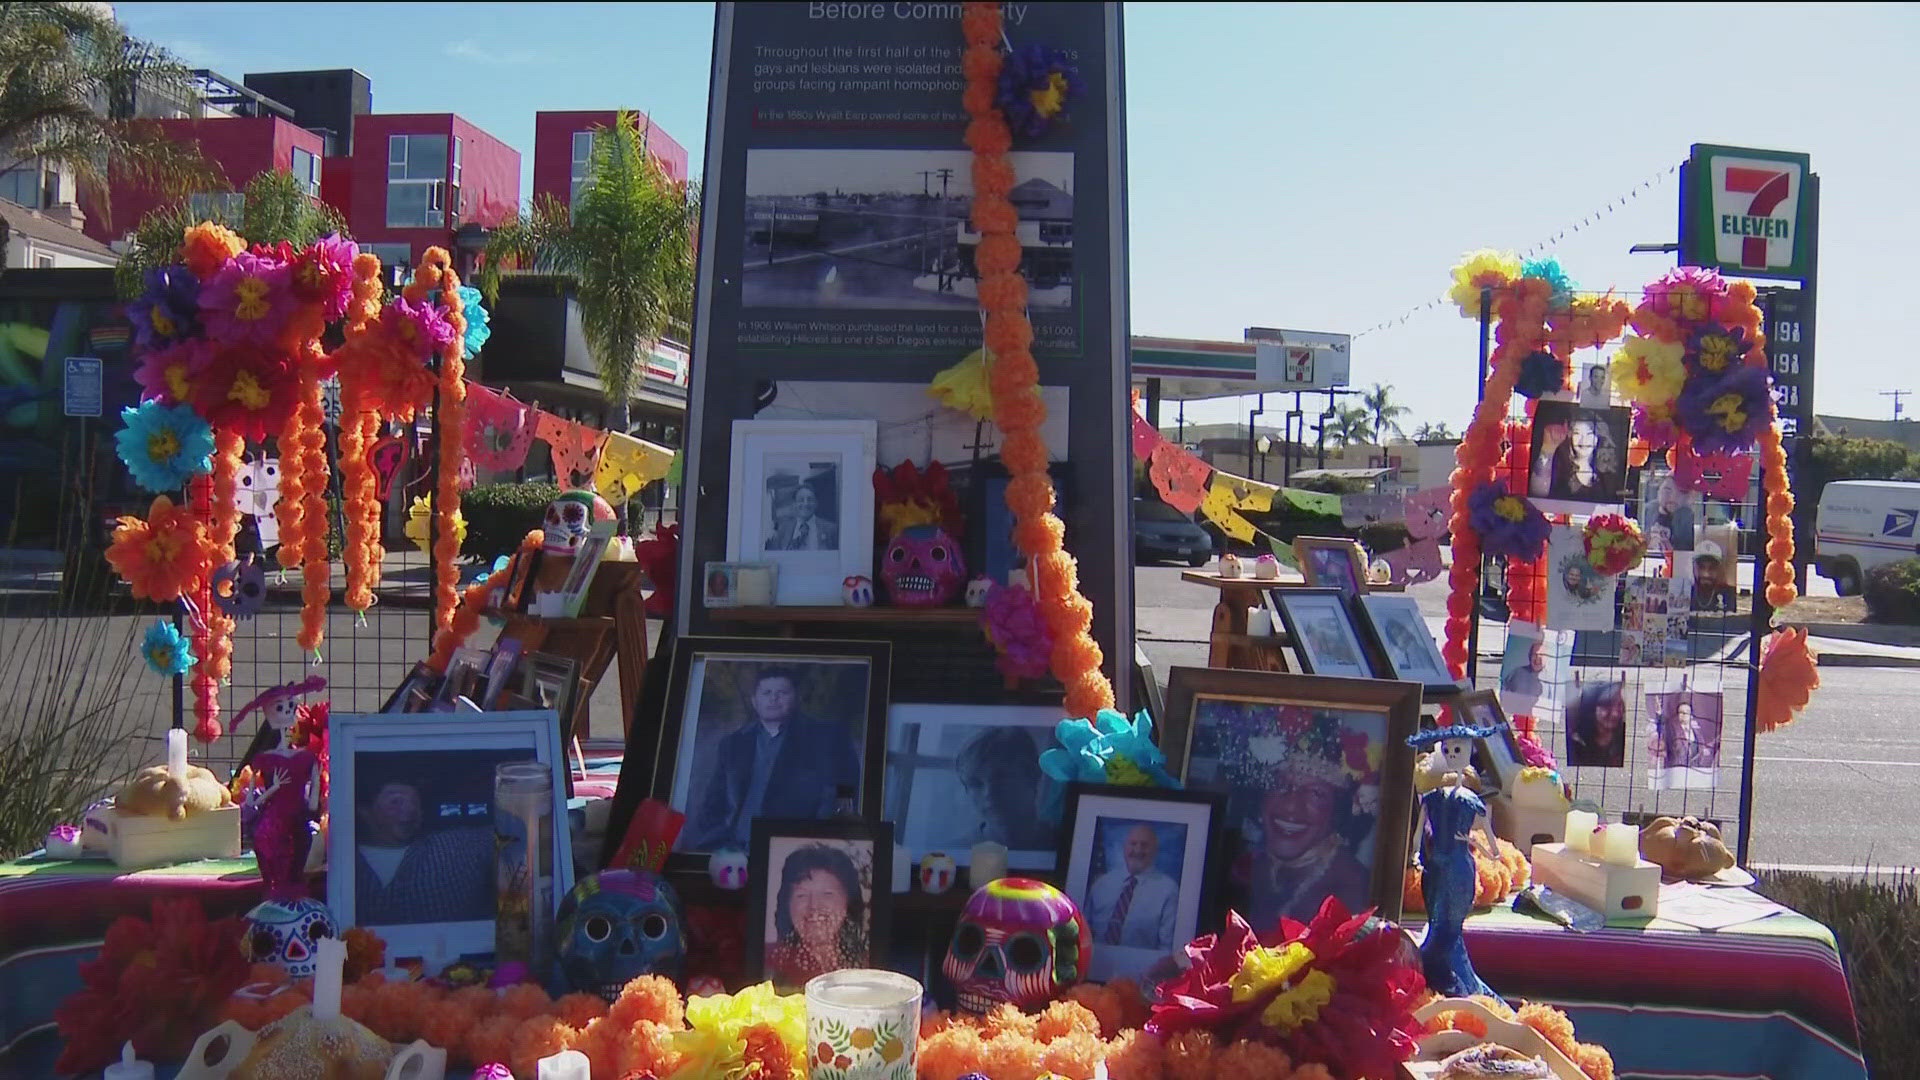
(1578, 456)
(1596, 387)
(1403, 637)
(957, 775)
(423, 835)
(802, 502)
(1322, 631)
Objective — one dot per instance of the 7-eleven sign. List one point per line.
(1746, 212)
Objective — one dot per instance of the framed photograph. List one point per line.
(1400, 633)
(1331, 562)
(769, 727)
(960, 774)
(422, 680)
(990, 546)
(800, 496)
(586, 563)
(466, 676)
(413, 830)
(552, 682)
(819, 898)
(1578, 457)
(728, 584)
(1318, 780)
(1140, 863)
(500, 665)
(1498, 755)
(1321, 629)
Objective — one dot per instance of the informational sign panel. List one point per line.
(84, 388)
(837, 254)
(1747, 212)
(1302, 359)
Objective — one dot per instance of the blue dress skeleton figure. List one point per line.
(1447, 886)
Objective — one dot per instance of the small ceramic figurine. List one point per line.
(1018, 941)
(728, 868)
(1447, 883)
(1449, 756)
(616, 926)
(977, 591)
(286, 811)
(857, 591)
(937, 873)
(1266, 568)
(1229, 565)
(63, 842)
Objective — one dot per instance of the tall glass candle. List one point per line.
(869, 1019)
(523, 860)
(989, 863)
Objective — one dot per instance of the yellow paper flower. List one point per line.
(1480, 270)
(717, 1025)
(1263, 969)
(419, 531)
(1650, 374)
(1510, 507)
(1299, 1004)
(964, 386)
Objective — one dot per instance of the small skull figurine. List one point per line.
(937, 873)
(1019, 941)
(922, 567)
(240, 587)
(857, 591)
(728, 868)
(570, 520)
(616, 926)
(977, 591)
(1266, 568)
(1229, 565)
(284, 932)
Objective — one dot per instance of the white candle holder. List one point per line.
(868, 1020)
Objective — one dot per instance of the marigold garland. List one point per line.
(316, 572)
(436, 271)
(359, 424)
(214, 637)
(1013, 375)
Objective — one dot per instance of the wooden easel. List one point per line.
(612, 623)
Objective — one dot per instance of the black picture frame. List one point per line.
(421, 677)
(1374, 612)
(832, 836)
(1191, 920)
(878, 656)
(1284, 605)
(552, 681)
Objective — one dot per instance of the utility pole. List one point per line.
(944, 175)
(926, 181)
(1896, 395)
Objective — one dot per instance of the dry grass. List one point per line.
(1826, 609)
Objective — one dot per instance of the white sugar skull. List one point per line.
(728, 868)
(1019, 941)
(937, 873)
(857, 591)
(977, 591)
(1229, 565)
(259, 483)
(570, 520)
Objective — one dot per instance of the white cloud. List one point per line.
(468, 49)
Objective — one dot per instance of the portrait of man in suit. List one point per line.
(780, 763)
(799, 522)
(1135, 903)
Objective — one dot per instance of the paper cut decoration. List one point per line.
(1731, 473)
(1145, 438)
(388, 454)
(572, 444)
(1427, 511)
(1415, 563)
(1179, 477)
(1313, 502)
(1283, 551)
(677, 471)
(628, 464)
(499, 429)
(1372, 509)
(1222, 506)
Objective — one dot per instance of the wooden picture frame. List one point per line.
(797, 862)
(1331, 562)
(1402, 641)
(1304, 725)
(1320, 625)
(1103, 820)
(842, 684)
(1500, 752)
(775, 463)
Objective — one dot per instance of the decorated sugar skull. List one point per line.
(616, 926)
(240, 587)
(922, 567)
(1266, 568)
(977, 591)
(857, 591)
(1229, 565)
(570, 520)
(937, 873)
(285, 932)
(728, 868)
(1019, 941)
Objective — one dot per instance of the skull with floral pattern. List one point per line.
(570, 520)
(285, 932)
(1019, 941)
(616, 926)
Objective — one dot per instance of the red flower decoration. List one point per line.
(157, 984)
(247, 391)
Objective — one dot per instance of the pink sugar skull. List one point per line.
(922, 567)
(1020, 941)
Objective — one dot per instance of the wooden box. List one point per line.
(136, 843)
(1525, 826)
(1617, 892)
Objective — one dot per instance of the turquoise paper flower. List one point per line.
(1109, 750)
(166, 650)
(477, 318)
(164, 446)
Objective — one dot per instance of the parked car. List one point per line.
(1161, 532)
(1862, 524)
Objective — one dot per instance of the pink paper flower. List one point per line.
(247, 302)
(166, 375)
(420, 329)
(324, 273)
(1013, 624)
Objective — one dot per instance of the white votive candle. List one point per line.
(330, 957)
(1259, 622)
(177, 753)
(753, 586)
(565, 1065)
(989, 863)
(1619, 845)
(1580, 826)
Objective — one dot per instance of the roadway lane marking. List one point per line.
(1839, 761)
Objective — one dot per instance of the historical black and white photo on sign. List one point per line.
(1578, 456)
(893, 229)
(802, 502)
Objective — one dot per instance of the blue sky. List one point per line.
(1306, 166)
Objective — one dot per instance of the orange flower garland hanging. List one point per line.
(359, 424)
(436, 273)
(1014, 378)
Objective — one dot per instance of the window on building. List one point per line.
(582, 160)
(226, 207)
(456, 162)
(391, 255)
(416, 181)
(23, 185)
(306, 171)
(43, 262)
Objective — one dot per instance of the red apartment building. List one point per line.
(563, 144)
(242, 147)
(419, 180)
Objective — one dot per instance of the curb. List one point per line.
(1871, 634)
(1866, 660)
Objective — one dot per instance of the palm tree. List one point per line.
(276, 208)
(69, 79)
(628, 246)
(1349, 426)
(1381, 411)
(1432, 432)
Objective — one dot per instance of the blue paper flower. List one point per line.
(1109, 750)
(164, 446)
(1550, 271)
(1540, 373)
(168, 310)
(166, 651)
(477, 319)
(1036, 84)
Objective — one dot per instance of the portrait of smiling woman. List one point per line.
(814, 907)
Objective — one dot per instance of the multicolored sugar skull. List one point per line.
(284, 932)
(728, 868)
(1020, 941)
(857, 590)
(922, 567)
(616, 926)
(570, 520)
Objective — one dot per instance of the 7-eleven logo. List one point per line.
(1756, 207)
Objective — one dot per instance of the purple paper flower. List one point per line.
(422, 328)
(1018, 633)
(1540, 373)
(1036, 84)
(247, 301)
(1508, 524)
(1725, 414)
(168, 311)
(1655, 433)
(1714, 350)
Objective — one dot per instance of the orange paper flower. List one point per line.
(163, 555)
(207, 246)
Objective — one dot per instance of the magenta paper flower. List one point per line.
(1655, 433)
(166, 375)
(1508, 524)
(324, 273)
(1721, 475)
(1018, 633)
(1726, 414)
(421, 329)
(247, 301)
(1680, 298)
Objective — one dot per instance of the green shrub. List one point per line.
(1877, 923)
(1842, 457)
(1892, 592)
(499, 515)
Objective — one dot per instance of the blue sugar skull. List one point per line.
(616, 926)
(285, 932)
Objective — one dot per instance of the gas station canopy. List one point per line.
(1268, 361)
